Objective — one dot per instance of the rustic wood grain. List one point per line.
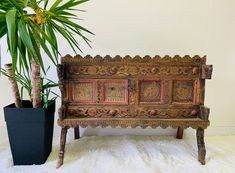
(134, 92)
(62, 146)
(201, 146)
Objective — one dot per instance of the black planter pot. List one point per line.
(30, 132)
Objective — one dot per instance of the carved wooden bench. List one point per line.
(130, 92)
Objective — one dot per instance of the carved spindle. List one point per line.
(76, 133)
(180, 133)
(201, 146)
(62, 147)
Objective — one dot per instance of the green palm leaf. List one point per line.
(25, 37)
(18, 4)
(12, 35)
(29, 32)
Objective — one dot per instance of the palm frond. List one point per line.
(12, 35)
(29, 32)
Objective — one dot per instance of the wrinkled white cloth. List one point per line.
(128, 154)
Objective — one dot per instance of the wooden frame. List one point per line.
(179, 113)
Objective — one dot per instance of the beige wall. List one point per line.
(204, 27)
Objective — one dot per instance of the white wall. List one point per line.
(134, 27)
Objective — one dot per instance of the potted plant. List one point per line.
(30, 130)
(31, 26)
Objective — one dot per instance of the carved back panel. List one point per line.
(138, 87)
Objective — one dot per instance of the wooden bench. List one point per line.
(133, 91)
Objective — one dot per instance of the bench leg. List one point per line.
(76, 133)
(180, 133)
(62, 147)
(201, 146)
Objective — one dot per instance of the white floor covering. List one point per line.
(131, 154)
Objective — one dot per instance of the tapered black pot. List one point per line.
(30, 132)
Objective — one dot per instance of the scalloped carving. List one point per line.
(133, 123)
(186, 59)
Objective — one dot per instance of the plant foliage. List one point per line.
(33, 25)
(28, 23)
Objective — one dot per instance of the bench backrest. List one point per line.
(133, 87)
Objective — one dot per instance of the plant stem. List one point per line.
(35, 82)
(14, 86)
(35, 79)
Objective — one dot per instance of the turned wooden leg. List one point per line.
(180, 133)
(201, 146)
(76, 133)
(62, 146)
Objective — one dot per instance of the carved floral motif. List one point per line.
(150, 91)
(165, 113)
(83, 91)
(183, 91)
(124, 112)
(115, 91)
(98, 112)
(109, 70)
